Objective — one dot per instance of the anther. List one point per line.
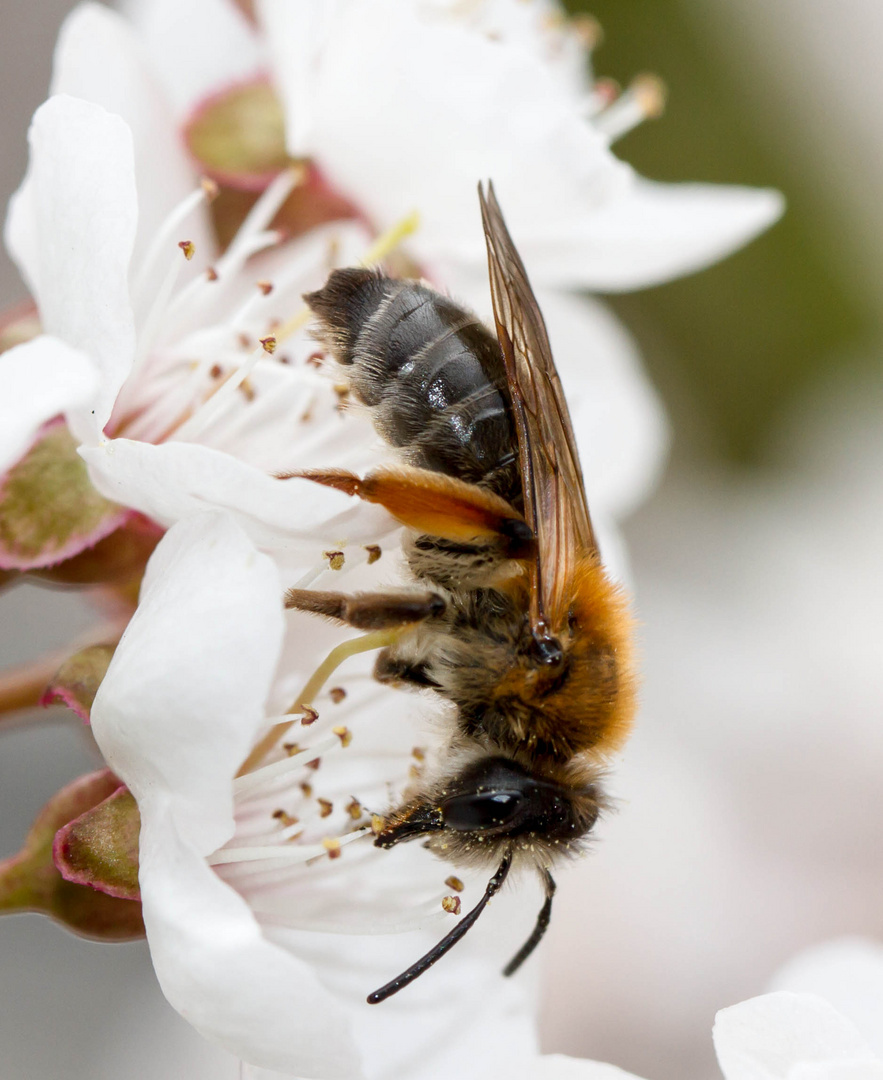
(310, 716)
(306, 790)
(292, 748)
(337, 694)
(451, 904)
(266, 287)
(418, 753)
(314, 764)
(643, 100)
(326, 807)
(588, 30)
(209, 187)
(344, 734)
(188, 247)
(374, 552)
(269, 344)
(377, 824)
(354, 808)
(336, 559)
(286, 818)
(216, 371)
(211, 273)
(454, 883)
(332, 846)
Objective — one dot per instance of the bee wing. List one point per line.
(554, 495)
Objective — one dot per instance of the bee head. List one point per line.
(494, 799)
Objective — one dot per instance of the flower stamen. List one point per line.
(643, 100)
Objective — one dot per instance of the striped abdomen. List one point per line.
(432, 373)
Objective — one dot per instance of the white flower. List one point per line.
(262, 940)
(786, 1036)
(129, 353)
(405, 105)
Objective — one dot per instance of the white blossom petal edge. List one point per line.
(786, 1036)
(157, 719)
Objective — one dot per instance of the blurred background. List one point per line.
(750, 824)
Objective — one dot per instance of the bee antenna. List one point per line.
(449, 940)
(542, 925)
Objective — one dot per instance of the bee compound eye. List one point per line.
(482, 811)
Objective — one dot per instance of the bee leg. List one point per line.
(447, 942)
(394, 670)
(368, 611)
(542, 925)
(433, 503)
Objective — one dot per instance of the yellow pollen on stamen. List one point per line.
(332, 846)
(337, 694)
(188, 247)
(374, 553)
(292, 748)
(336, 559)
(326, 807)
(269, 344)
(419, 753)
(451, 904)
(266, 287)
(354, 808)
(285, 818)
(310, 716)
(307, 790)
(210, 188)
(344, 734)
(589, 31)
(211, 273)
(454, 883)
(377, 824)
(651, 93)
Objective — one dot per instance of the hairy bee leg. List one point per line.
(393, 670)
(542, 925)
(433, 503)
(368, 611)
(447, 942)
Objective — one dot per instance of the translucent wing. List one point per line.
(554, 496)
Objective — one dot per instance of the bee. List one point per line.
(516, 623)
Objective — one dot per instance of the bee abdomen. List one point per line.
(432, 373)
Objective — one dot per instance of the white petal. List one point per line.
(838, 1070)
(560, 1067)
(169, 481)
(849, 974)
(766, 1037)
(71, 228)
(651, 233)
(219, 971)
(296, 31)
(485, 111)
(41, 379)
(196, 48)
(99, 59)
(184, 695)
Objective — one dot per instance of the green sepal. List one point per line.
(49, 510)
(100, 847)
(76, 682)
(30, 880)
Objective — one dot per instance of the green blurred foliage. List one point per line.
(734, 343)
